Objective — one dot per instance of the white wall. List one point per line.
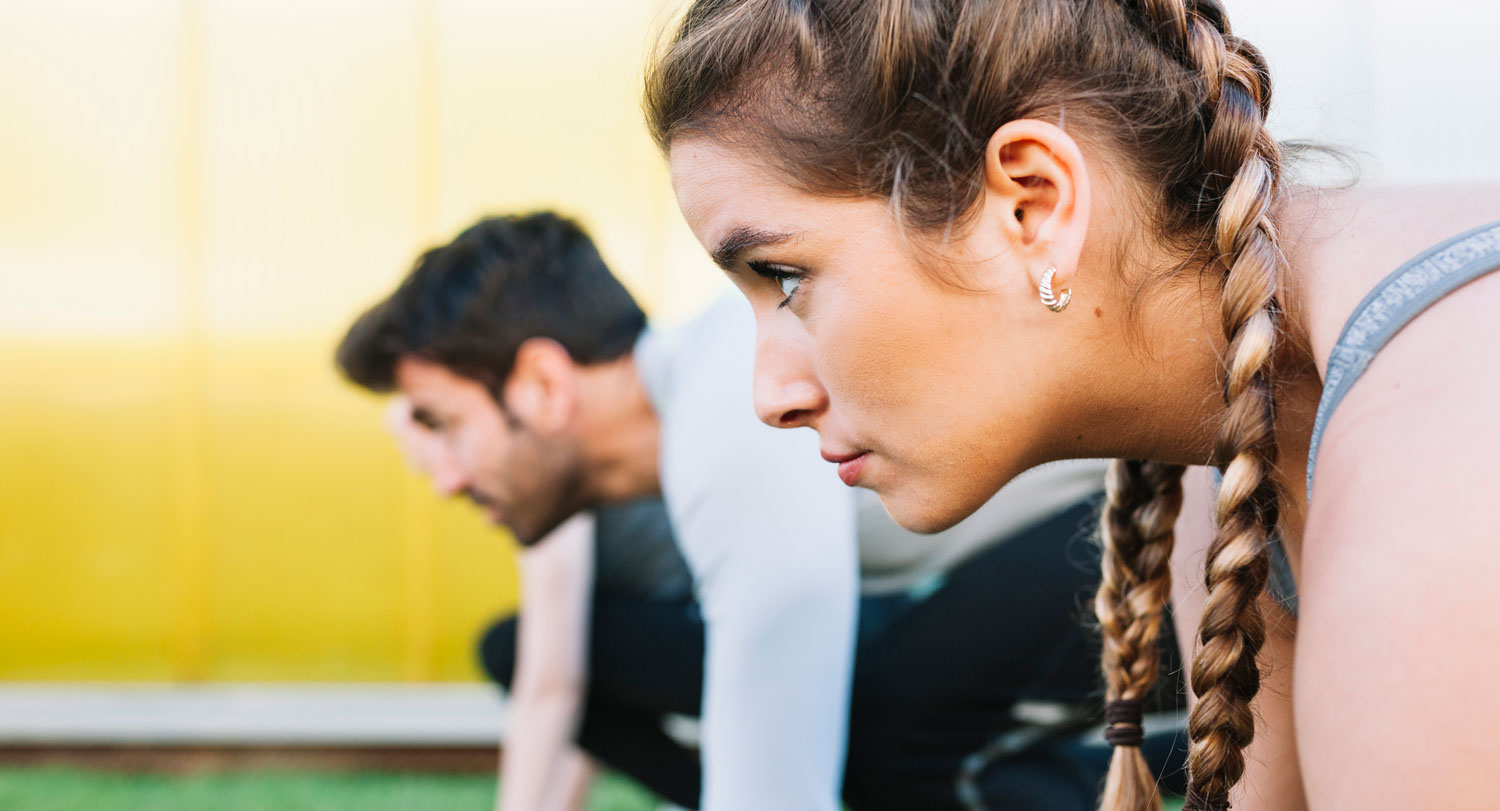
(1412, 87)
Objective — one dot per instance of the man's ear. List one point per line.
(542, 390)
(1037, 197)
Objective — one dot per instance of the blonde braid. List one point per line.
(1141, 506)
(1236, 148)
(1225, 676)
(1240, 176)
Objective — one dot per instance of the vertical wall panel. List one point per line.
(311, 171)
(90, 309)
(540, 107)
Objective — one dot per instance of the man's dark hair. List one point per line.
(470, 304)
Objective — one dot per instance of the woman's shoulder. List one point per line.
(1342, 243)
(1409, 402)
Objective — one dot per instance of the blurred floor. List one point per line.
(68, 789)
(198, 760)
(359, 715)
(281, 747)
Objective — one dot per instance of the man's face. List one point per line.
(460, 436)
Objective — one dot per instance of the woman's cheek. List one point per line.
(873, 376)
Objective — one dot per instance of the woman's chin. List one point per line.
(923, 512)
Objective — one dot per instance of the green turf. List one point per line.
(63, 789)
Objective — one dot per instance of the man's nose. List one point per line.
(448, 479)
(787, 394)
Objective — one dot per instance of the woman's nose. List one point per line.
(787, 395)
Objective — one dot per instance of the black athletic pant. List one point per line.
(645, 660)
(936, 681)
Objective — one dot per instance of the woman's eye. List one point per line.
(788, 285)
(787, 279)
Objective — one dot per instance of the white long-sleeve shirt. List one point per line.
(769, 533)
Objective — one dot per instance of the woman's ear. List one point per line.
(542, 389)
(1037, 197)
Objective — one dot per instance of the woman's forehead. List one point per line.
(732, 199)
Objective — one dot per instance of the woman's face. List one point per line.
(924, 369)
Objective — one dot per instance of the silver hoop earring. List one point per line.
(1054, 303)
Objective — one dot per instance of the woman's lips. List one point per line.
(850, 465)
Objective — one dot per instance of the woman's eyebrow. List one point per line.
(742, 239)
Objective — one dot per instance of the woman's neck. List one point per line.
(1173, 359)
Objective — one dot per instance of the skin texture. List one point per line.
(935, 357)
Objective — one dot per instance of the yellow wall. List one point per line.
(195, 199)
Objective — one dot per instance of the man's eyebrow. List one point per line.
(742, 239)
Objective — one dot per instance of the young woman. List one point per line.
(981, 236)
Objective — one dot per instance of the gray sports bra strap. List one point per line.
(1393, 303)
(1280, 582)
(1398, 299)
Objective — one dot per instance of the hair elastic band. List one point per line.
(1123, 719)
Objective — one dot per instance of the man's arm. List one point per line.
(542, 770)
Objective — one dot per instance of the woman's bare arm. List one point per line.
(1399, 641)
